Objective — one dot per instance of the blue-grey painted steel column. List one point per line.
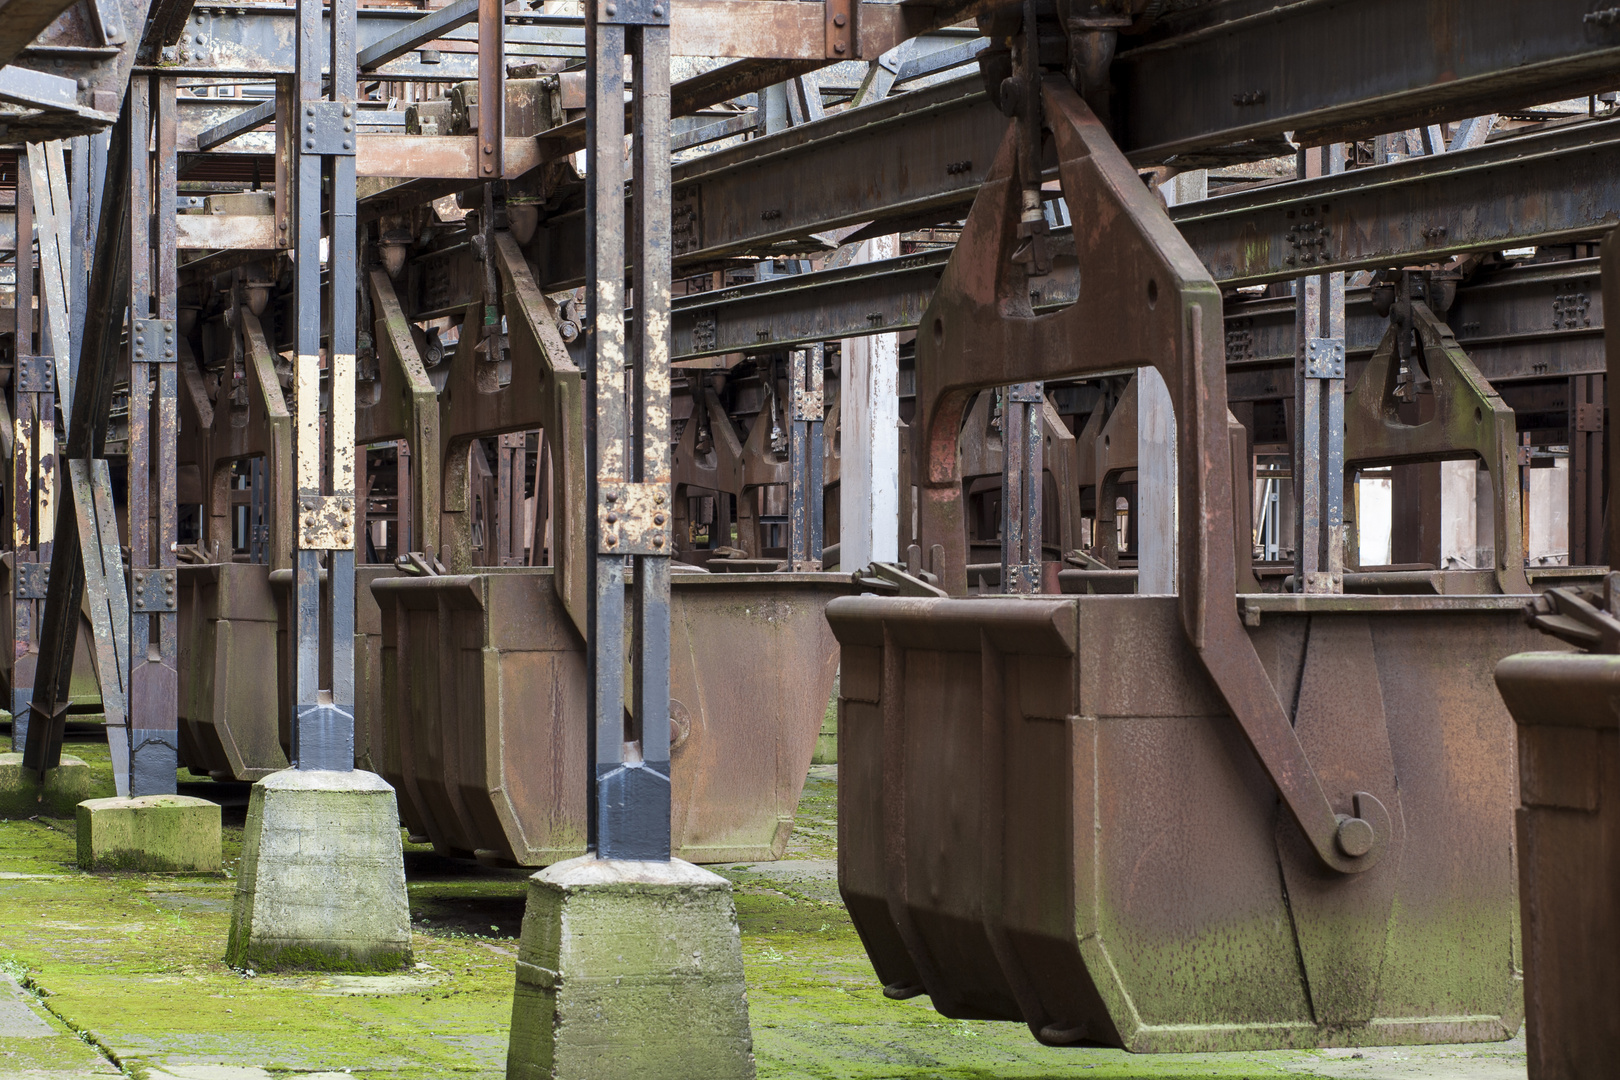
(1319, 413)
(806, 411)
(324, 140)
(154, 683)
(627, 441)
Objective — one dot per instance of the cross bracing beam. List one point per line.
(1554, 187)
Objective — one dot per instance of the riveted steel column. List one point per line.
(1319, 390)
(807, 410)
(1022, 464)
(28, 563)
(324, 141)
(154, 684)
(627, 443)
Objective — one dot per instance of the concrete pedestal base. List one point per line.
(22, 795)
(153, 833)
(629, 970)
(322, 881)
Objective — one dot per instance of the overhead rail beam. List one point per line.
(1554, 187)
(1329, 70)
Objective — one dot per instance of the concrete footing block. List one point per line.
(322, 879)
(151, 833)
(629, 970)
(22, 795)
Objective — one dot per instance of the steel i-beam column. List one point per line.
(29, 564)
(1319, 392)
(325, 130)
(153, 679)
(627, 444)
(807, 411)
(1021, 470)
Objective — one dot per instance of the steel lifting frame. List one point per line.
(628, 428)
(324, 140)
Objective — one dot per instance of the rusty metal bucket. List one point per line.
(229, 724)
(1569, 857)
(1047, 813)
(235, 709)
(485, 732)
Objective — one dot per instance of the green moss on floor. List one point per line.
(133, 961)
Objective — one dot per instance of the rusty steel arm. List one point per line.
(546, 391)
(265, 398)
(1164, 311)
(406, 407)
(1470, 419)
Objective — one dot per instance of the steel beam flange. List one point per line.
(153, 591)
(634, 518)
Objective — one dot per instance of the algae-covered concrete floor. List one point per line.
(121, 974)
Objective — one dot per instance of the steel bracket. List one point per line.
(633, 518)
(36, 375)
(1324, 358)
(327, 127)
(33, 580)
(633, 12)
(1026, 393)
(153, 342)
(153, 590)
(325, 522)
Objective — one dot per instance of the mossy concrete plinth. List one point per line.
(322, 881)
(629, 970)
(22, 795)
(151, 834)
